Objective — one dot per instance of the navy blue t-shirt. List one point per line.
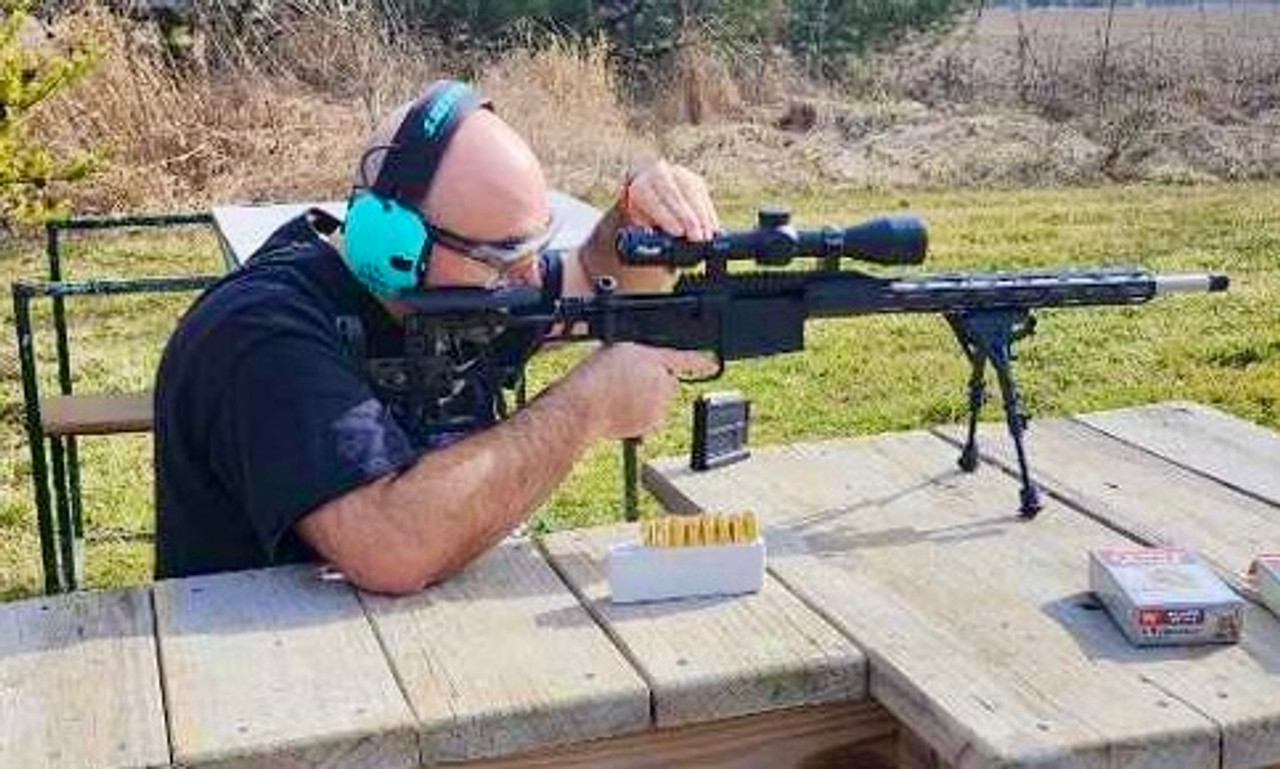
(263, 413)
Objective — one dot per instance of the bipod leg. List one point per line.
(1016, 419)
(989, 335)
(968, 461)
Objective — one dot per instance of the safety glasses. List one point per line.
(501, 255)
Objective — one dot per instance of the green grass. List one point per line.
(858, 376)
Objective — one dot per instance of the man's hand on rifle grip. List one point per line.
(627, 388)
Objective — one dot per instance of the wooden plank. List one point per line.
(982, 638)
(96, 414)
(860, 734)
(275, 668)
(714, 658)
(79, 683)
(502, 658)
(1231, 450)
(1160, 503)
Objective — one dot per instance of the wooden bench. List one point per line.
(97, 414)
(908, 619)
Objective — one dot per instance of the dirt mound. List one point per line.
(1198, 150)
(892, 146)
(905, 144)
(996, 149)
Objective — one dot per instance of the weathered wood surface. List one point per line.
(979, 628)
(1224, 447)
(1136, 491)
(502, 658)
(707, 659)
(276, 668)
(79, 683)
(859, 735)
(97, 414)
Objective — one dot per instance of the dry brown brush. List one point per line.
(1173, 93)
(1052, 96)
(286, 121)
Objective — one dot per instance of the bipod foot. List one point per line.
(1030, 505)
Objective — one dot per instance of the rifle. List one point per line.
(737, 315)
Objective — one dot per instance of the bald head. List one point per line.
(489, 184)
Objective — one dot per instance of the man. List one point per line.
(273, 442)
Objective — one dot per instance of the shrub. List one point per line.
(32, 69)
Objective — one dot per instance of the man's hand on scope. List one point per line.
(670, 198)
(630, 386)
(657, 195)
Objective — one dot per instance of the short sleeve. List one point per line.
(300, 428)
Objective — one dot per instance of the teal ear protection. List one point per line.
(387, 242)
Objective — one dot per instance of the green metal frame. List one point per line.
(59, 544)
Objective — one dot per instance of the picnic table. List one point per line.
(909, 618)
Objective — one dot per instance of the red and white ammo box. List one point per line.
(1165, 596)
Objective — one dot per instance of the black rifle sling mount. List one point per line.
(989, 336)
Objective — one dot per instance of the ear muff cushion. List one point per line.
(385, 243)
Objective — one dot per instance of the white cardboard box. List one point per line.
(1165, 596)
(640, 573)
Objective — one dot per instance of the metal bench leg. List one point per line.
(36, 440)
(63, 348)
(66, 525)
(44, 513)
(66, 483)
(73, 477)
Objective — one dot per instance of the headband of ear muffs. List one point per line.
(387, 242)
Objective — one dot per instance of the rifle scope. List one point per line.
(898, 239)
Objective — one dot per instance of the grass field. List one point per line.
(859, 376)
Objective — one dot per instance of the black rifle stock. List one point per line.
(742, 315)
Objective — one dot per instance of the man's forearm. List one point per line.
(399, 534)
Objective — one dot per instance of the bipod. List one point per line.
(988, 336)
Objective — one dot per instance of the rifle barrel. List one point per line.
(1192, 283)
(961, 292)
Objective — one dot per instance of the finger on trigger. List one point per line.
(687, 362)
